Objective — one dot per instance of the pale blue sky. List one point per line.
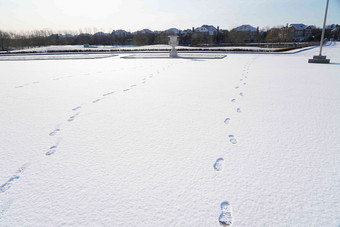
(133, 15)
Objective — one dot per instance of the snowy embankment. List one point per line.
(251, 139)
(81, 48)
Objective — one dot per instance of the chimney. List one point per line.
(193, 29)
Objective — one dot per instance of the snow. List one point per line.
(160, 47)
(134, 142)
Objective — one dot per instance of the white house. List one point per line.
(211, 30)
(245, 28)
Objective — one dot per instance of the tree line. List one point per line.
(13, 40)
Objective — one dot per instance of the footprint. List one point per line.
(73, 117)
(16, 176)
(218, 166)
(134, 85)
(95, 101)
(36, 82)
(233, 100)
(245, 77)
(227, 121)
(225, 218)
(244, 83)
(232, 139)
(241, 93)
(109, 93)
(238, 110)
(55, 131)
(241, 79)
(52, 150)
(126, 89)
(143, 82)
(236, 87)
(19, 86)
(7, 185)
(76, 108)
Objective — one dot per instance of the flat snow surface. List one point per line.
(252, 139)
(136, 48)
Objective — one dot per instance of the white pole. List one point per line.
(323, 29)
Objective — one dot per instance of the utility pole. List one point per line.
(319, 58)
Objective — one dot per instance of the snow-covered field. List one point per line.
(138, 48)
(250, 138)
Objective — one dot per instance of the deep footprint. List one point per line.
(227, 121)
(76, 108)
(109, 93)
(51, 151)
(225, 218)
(218, 166)
(16, 176)
(95, 101)
(54, 132)
(241, 93)
(233, 100)
(238, 110)
(232, 139)
(73, 117)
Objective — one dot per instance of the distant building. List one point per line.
(120, 32)
(186, 32)
(66, 36)
(208, 29)
(101, 34)
(174, 31)
(297, 32)
(144, 31)
(246, 28)
(246, 33)
(330, 27)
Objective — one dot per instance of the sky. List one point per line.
(133, 15)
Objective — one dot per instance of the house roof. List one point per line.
(101, 34)
(120, 32)
(332, 26)
(66, 36)
(145, 31)
(174, 30)
(209, 28)
(246, 27)
(311, 27)
(298, 26)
